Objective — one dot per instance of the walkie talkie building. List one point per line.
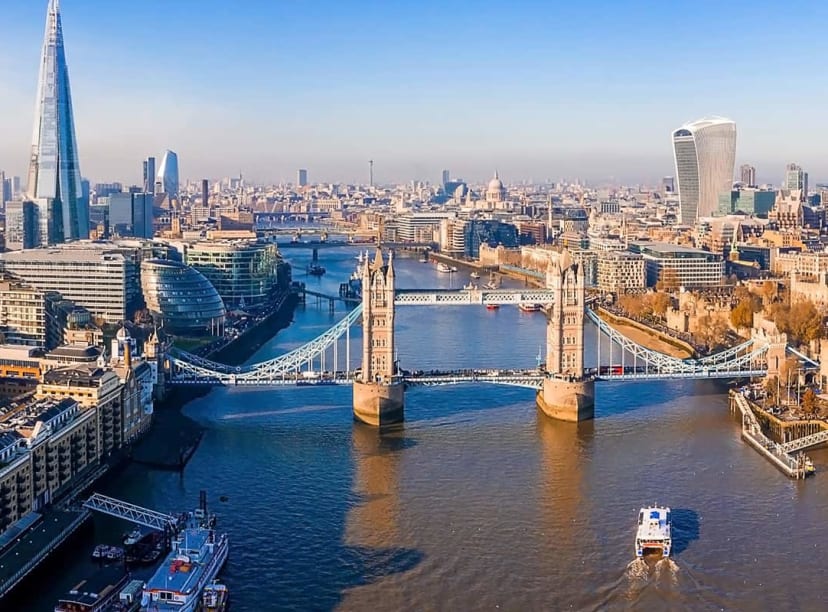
(705, 155)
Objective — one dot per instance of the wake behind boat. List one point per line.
(654, 532)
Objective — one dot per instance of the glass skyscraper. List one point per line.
(705, 156)
(54, 172)
(168, 174)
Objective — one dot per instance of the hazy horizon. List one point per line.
(537, 92)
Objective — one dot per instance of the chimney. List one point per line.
(128, 354)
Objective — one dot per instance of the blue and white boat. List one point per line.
(198, 554)
(654, 532)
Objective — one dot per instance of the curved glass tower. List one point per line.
(54, 182)
(168, 174)
(705, 156)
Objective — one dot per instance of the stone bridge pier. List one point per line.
(379, 395)
(567, 394)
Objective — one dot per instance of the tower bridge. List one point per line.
(564, 387)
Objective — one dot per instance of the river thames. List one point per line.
(478, 501)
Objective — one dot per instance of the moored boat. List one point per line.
(197, 556)
(445, 268)
(215, 598)
(654, 532)
(529, 307)
(474, 275)
(96, 593)
(492, 306)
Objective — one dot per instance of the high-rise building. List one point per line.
(22, 227)
(105, 281)
(446, 178)
(668, 185)
(747, 175)
(205, 192)
(705, 156)
(302, 179)
(168, 175)
(130, 214)
(54, 172)
(796, 178)
(149, 175)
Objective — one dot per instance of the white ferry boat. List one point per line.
(654, 529)
(441, 267)
(198, 553)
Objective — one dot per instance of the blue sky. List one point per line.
(538, 90)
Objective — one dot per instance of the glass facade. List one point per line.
(244, 273)
(168, 174)
(185, 301)
(705, 157)
(491, 232)
(54, 172)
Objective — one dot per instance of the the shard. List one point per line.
(54, 172)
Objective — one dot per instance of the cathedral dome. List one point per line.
(495, 184)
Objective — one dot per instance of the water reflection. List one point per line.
(372, 525)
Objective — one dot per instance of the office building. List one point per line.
(302, 179)
(245, 273)
(54, 182)
(796, 179)
(620, 271)
(756, 202)
(149, 175)
(747, 175)
(105, 281)
(490, 232)
(168, 175)
(446, 178)
(679, 266)
(205, 192)
(131, 214)
(668, 185)
(22, 225)
(705, 155)
(420, 226)
(180, 298)
(5, 189)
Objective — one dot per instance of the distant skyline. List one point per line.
(537, 90)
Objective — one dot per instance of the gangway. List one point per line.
(806, 442)
(131, 512)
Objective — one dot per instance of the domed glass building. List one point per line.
(181, 297)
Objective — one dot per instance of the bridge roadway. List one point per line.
(328, 244)
(529, 378)
(472, 296)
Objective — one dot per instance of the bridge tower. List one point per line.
(378, 394)
(566, 394)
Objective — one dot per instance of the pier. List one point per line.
(793, 466)
(33, 541)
